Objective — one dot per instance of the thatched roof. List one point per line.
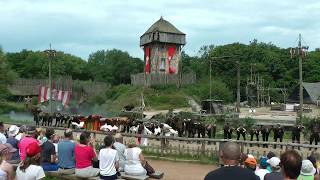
(163, 26)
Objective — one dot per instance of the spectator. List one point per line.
(26, 139)
(262, 171)
(66, 154)
(269, 156)
(3, 138)
(290, 163)
(108, 160)
(6, 169)
(251, 163)
(307, 171)
(42, 136)
(134, 159)
(48, 152)
(120, 147)
(22, 132)
(29, 169)
(314, 162)
(84, 154)
(13, 131)
(230, 154)
(275, 167)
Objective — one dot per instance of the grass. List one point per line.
(7, 106)
(7, 119)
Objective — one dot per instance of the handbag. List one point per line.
(148, 168)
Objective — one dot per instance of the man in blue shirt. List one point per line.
(66, 154)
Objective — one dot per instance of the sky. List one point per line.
(81, 27)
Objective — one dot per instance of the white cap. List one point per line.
(274, 161)
(13, 130)
(307, 168)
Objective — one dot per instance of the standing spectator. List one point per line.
(120, 147)
(307, 171)
(30, 169)
(13, 131)
(275, 167)
(48, 152)
(134, 160)
(66, 154)
(290, 163)
(3, 138)
(262, 171)
(230, 155)
(84, 154)
(108, 160)
(6, 169)
(24, 142)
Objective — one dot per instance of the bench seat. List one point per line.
(129, 177)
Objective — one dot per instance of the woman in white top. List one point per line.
(30, 169)
(108, 160)
(134, 158)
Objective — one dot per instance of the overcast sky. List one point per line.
(81, 27)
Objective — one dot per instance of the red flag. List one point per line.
(147, 56)
(171, 50)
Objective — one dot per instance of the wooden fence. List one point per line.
(142, 79)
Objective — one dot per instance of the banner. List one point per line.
(169, 69)
(58, 95)
(147, 56)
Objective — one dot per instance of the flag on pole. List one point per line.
(171, 51)
(58, 95)
(147, 56)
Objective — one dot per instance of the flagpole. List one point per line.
(50, 53)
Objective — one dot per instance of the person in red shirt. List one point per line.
(84, 155)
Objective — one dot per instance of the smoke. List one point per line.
(20, 116)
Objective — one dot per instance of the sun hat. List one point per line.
(307, 168)
(274, 161)
(13, 130)
(33, 149)
(6, 148)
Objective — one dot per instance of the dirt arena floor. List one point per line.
(181, 170)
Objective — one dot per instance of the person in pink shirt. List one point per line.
(84, 154)
(24, 142)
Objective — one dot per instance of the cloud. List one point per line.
(81, 27)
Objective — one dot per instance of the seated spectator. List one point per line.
(108, 160)
(48, 152)
(230, 155)
(314, 162)
(251, 163)
(262, 171)
(66, 154)
(307, 171)
(6, 169)
(290, 163)
(120, 147)
(84, 155)
(3, 138)
(26, 139)
(275, 167)
(29, 169)
(243, 158)
(13, 131)
(22, 132)
(42, 135)
(269, 156)
(134, 159)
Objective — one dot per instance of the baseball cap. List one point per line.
(307, 168)
(33, 149)
(250, 162)
(6, 148)
(274, 161)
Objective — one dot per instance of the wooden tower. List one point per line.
(162, 44)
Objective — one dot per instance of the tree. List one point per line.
(6, 76)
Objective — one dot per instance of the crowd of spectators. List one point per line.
(33, 151)
(290, 166)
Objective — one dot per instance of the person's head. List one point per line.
(274, 163)
(68, 134)
(1, 127)
(49, 133)
(270, 154)
(290, 163)
(230, 153)
(132, 143)
(313, 159)
(118, 138)
(84, 138)
(251, 163)
(32, 156)
(307, 168)
(108, 141)
(243, 157)
(6, 151)
(13, 130)
(263, 163)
